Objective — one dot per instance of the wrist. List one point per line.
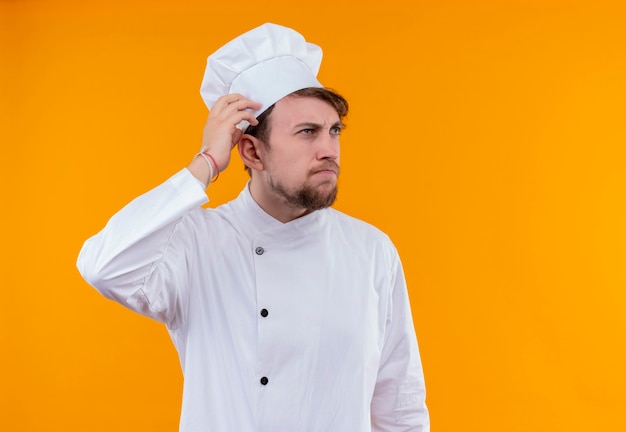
(212, 164)
(204, 168)
(200, 170)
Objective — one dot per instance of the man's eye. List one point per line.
(335, 130)
(306, 131)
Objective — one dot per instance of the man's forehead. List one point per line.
(293, 110)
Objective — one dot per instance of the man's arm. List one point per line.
(138, 259)
(140, 252)
(399, 400)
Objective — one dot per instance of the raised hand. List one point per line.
(221, 133)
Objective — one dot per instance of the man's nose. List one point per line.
(329, 147)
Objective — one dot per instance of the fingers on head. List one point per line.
(237, 101)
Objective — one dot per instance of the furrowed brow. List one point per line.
(308, 125)
(317, 126)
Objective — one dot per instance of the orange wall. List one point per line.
(487, 138)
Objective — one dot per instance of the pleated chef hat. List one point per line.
(264, 64)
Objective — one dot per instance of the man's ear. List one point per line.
(249, 150)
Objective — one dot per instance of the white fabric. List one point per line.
(337, 346)
(264, 64)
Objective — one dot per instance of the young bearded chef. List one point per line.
(287, 314)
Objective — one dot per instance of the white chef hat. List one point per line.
(264, 64)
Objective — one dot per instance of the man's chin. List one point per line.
(310, 197)
(325, 197)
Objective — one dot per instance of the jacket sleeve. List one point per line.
(139, 258)
(399, 400)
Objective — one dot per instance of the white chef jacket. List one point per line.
(280, 327)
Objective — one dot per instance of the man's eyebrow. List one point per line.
(309, 125)
(312, 125)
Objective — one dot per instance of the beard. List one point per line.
(306, 197)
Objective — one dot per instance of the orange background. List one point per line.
(485, 137)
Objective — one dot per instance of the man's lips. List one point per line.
(327, 169)
(325, 172)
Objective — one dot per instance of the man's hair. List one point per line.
(262, 130)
